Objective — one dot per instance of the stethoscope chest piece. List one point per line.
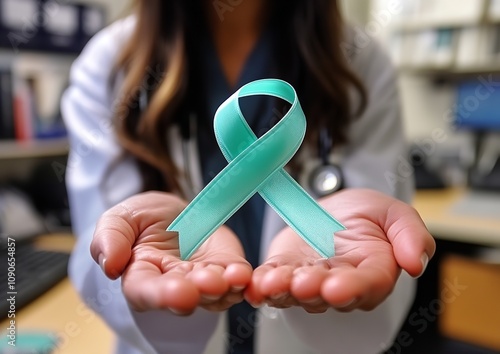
(325, 180)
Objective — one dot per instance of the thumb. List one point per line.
(412, 244)
(114, 236)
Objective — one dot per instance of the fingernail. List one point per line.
(424, 259)
(236, 289)
(102, 262)
(347, 303)
(278, 296)
(175, 312)
(211, 297)
(255, 305)
(313, 301)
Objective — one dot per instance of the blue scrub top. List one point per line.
(261, 114)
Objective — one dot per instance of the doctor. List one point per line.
(139, 112)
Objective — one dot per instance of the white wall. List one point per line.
(425, 105)
(356, 11)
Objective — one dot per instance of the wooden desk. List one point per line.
(434, 207)
(62, 312)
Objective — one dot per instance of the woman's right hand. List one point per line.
(130, 241)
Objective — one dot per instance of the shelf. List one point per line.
(414, 25)
(421, 15)
(431, 25)
(451, 70)
(33, 149)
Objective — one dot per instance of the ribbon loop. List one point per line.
(256, 165)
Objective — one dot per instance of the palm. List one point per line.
(360, 275)
(155, 275)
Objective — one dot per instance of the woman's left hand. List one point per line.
(383, 236)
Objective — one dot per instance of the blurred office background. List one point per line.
(447, 56)
(39, 39)
(38, 42)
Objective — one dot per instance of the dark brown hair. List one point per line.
(160, 56)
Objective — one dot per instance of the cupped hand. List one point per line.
(383, 236)
(130, 241)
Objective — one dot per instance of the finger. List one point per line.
(209, 281)
(146, 288)
(343, 288)
(275, 283)
(238, 276)
(363, 287)
(412, 244)
(253, 295)
(306, 282)
(111, 245)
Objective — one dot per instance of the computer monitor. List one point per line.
(477, 110)
(477, 106)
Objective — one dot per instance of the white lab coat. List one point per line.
(100, 174)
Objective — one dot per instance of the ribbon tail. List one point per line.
(209, 210)
(301, 212)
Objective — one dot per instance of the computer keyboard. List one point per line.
(36, 271)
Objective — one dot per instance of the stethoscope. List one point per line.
(327, 177)
(323, 179)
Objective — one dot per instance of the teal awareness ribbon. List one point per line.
(256, 165)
